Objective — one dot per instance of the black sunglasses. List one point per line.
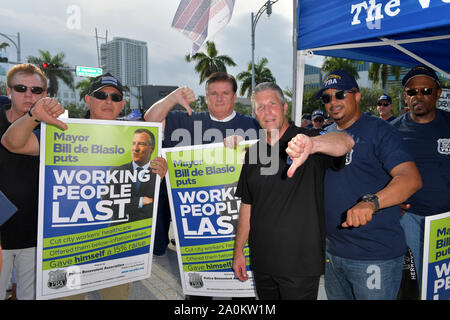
(22, 88)
(340, 95)
(385, 104)
(424, 91)
(101, 95)
(318, 120)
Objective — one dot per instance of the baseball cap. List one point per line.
(306, 116)
(105, 80)
(318, 113)
(420, 71)
(338, 79)
(385, 97)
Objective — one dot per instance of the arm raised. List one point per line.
(159, 110)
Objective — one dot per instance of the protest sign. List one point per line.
(436, 258)
(201, 182)
(95, 226)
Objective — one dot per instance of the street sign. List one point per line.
(88, 71)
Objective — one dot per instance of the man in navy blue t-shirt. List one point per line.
(194, 128)
(365, 242)
(426, 132)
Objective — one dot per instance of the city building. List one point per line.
(126, 59)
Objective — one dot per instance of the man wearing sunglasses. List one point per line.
(19, 176)
(105, 102)
(318, 119)
(426, 132)
(384, 108)
(365, 242)
(281, 213)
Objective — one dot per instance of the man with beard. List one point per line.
(426, 132)
(365, 242)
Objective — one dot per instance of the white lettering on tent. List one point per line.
(374, 10)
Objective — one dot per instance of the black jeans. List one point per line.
(274, 287)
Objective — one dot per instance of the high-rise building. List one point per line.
(126, 59)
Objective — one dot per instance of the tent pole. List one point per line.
(412, 55)
(378, 44)
(301, 60)
(294, 60)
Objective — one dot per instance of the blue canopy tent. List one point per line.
(402, 33)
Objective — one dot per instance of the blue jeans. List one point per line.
(348, 279)
(413, 225)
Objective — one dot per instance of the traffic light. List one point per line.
(3, 59)
(48, 66)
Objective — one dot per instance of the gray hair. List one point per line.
(268, 86)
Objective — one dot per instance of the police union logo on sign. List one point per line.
(195, 280)
(444, 146)
(57, 279)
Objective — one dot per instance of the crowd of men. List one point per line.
(332, 206)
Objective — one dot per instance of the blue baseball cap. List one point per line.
(318, 113)
(338, 79)
(420, 71)
(385, 97)
(105, 80)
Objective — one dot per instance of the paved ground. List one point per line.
(164, 282)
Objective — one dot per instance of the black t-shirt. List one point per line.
(19, 178)
(287, 229)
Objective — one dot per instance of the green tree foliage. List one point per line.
(3, 45)
(209, 62)
(369, 99)
(84, 86)
(75, 111)
(332, 63)
(56, 73)
(262, 74)
(379, 73)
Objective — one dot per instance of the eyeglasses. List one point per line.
(318, 120)
(424, 91)
(384, 104)
(22, 88)
(101, 95)
(340, 95)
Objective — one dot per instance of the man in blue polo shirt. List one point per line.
(426, 132)
(365, 242)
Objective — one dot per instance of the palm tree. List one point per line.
(210, 62)
(84, 86)
(57, 72)
(262, 74)
(332, 63)
(3, 45)
(379, 72)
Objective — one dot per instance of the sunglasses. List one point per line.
(100, 95)
(424, 91)
(384, 104)
(318, 120)
(22, 88)
(339, 95)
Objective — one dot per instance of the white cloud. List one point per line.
(42, 25)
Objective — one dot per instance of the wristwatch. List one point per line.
(372, 198)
